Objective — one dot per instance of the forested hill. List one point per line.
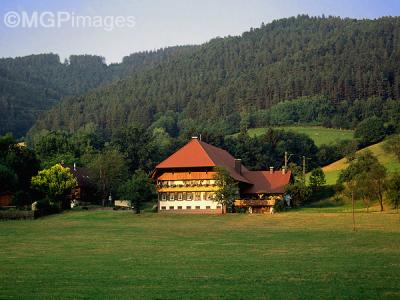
(342, 60)
(32, 84)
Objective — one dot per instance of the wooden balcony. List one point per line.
(183, 188)
(255, 203)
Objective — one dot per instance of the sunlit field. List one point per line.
(295, 255)
(320, 135)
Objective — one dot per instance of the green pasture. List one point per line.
(105, 254)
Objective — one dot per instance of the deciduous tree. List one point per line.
(138, 189)
(227, 189)
(54, 182)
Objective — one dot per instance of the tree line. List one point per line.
(349, 65)
(33, 84)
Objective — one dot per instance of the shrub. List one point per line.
(370, 131)
(280, 206)
(21, 199)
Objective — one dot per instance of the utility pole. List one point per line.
(352, 202)
(286, 160)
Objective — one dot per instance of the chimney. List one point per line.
(271, 170)
(74, 166)
(194, 137)
(283, 170)
(238, 165)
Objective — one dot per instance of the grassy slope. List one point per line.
(388, 160)
(106, 254)
(320, 135)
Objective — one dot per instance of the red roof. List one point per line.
(199, 154)
(267, 182)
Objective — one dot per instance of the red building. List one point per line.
(186, 184)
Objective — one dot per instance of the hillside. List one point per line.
(320, 135)
(32, 84)
(332, 171)
(350, 64)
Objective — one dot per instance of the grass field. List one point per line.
(108, 254)
(320, 135)
(332, 171)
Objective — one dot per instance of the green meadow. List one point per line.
(390, 162)
(104, 254)
(320, 135)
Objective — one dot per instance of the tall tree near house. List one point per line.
(368, 176)
(317, 178)
(228, 190)
(137, 190)
(393, 191)
(392, 145)
(108, 170)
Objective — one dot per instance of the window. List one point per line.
(218, 206)
(208, 207)
(163, 208)
(171, 196)
(179, 207)
(189, 196)
(197, 196)
(180, 196)
(197, 207)
(171, 208)
(188, 207)
(207, 196)
(164, 196)
(184, 194)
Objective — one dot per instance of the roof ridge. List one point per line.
(205, 150)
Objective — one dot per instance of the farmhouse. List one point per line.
(185, 181)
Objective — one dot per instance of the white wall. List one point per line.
(193, 203)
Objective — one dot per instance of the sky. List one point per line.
(118, 28)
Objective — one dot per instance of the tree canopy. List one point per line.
(282, 72)
(54, 182)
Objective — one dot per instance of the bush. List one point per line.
(21, 199)
(45, 207)
(370, 131)
(280, 206)
(299, 192)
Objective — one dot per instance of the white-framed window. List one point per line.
(172, 196)
(164, 196)
(189, 196)
(197, 196)
(179, 196)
